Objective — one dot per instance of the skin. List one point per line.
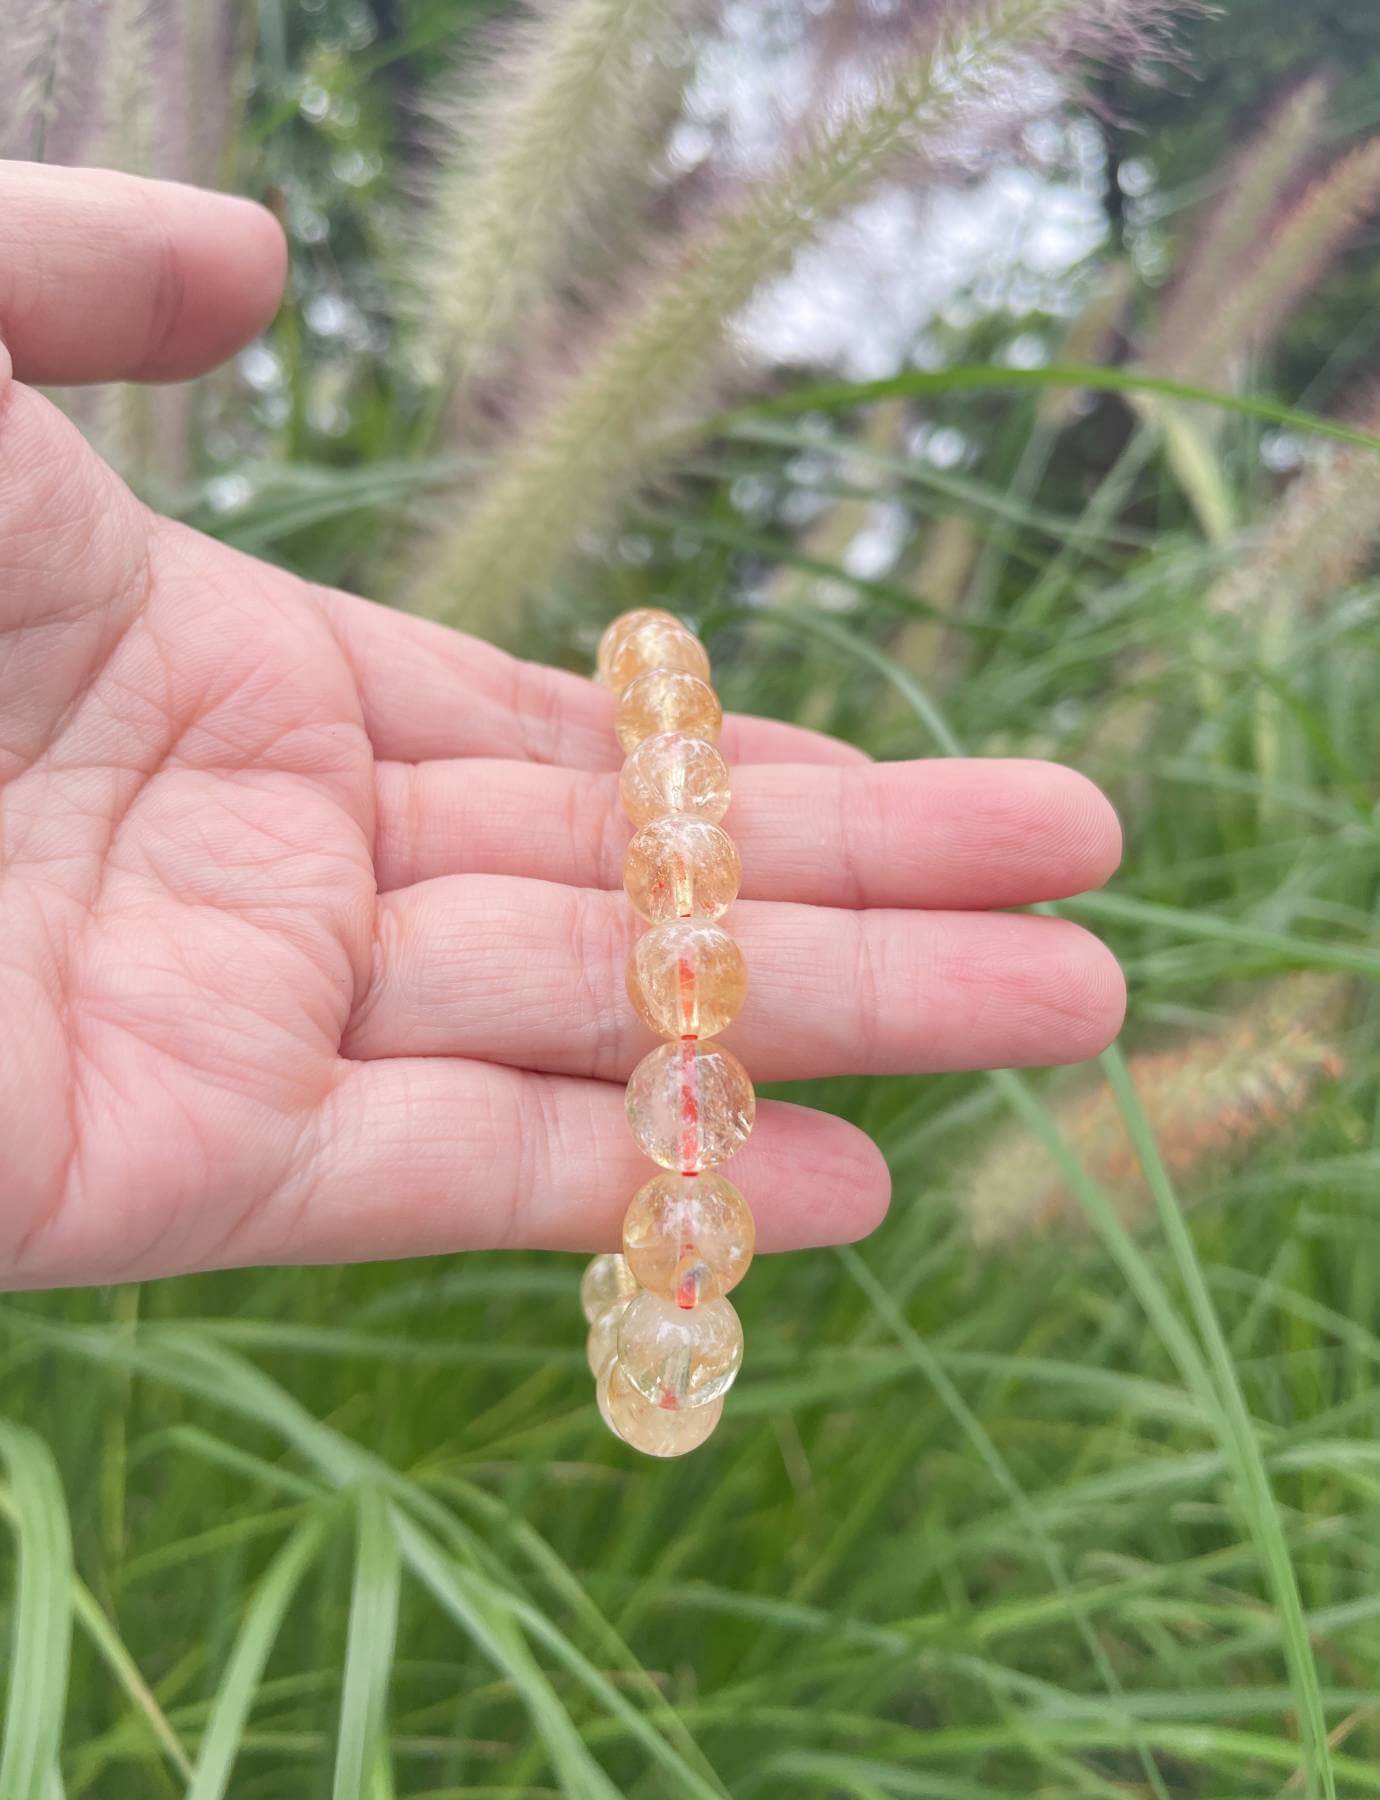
(311, 943)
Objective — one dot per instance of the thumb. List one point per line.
(107, 277)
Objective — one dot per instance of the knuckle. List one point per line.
(599, 935)
(167, 287)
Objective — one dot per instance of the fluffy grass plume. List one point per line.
(1246, 275)
(597, 431)
(1321, 535)
(1210, 1099)
(1227, 237)
(36, 71)
(1290, 261)
(521, 156)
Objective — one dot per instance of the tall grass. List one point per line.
(1005, 1506)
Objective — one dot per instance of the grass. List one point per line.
(1089, 1510)
(1073, 1516)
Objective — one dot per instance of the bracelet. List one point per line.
(665, 1345)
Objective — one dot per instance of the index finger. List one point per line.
(429, 692)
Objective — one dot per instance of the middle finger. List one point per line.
(966, 832)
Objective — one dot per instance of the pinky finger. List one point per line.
(417, 1156)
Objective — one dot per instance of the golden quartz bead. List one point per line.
(690, 1105)
(673, 773)
(606, 1281)
(687, 978)
(667, 700)
(656, 644)
(681, 868)
(688, 1238)
(678, 1356)
(654, 1430)
(616, 633)
(602, 1342)
(664, 1342)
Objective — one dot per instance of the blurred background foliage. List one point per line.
(1067, 1482)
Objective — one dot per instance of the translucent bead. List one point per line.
(688, 1238)
(687, 979)
(602, 1342)
(606, 1281)
(655, 1430)
(656, 644)
(667, 700)
(677, 1356)
(690, 1105)
(614, 634)
(672, 773)
(681, 868)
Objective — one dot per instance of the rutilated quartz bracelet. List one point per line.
(664, 1341)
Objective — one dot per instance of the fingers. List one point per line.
(421, 1156)
(73, 569)
(428, 692)
(531, 974)
(104, 277)
(942, 833)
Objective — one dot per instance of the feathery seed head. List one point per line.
(1209, 1098)
(595, 435)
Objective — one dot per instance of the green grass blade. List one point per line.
(830, 396)
(569, 1591)
(996, 1465)
(1288, 950)
(580, 1776)
(832, 1773)
(263, 1618)
(362, 1742)
(111, 1649)
(1253, 1481)
(674, 1768)
(41, 1633)
(1215, 1383)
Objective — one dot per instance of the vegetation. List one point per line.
(1066, 1483)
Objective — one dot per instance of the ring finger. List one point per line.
(531, 973)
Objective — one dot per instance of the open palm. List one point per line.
(311, 943)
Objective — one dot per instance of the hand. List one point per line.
(311, 937)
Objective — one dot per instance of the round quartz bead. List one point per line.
(656, 644)
(677, 1356)
(687, 979)
(602, 1342)
(690, 1105)
(688, 1238)
(672, 773)
(606, 1282)
(655, 1430)
(614, 634)
(667, 700)
(681, 868)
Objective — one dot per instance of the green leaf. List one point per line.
(1214, 1380)
(40, 1637)
(263, 1619)
(362, 1741)
(453, 1586)
(831, 396)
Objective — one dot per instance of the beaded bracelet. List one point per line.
(665, 1345)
